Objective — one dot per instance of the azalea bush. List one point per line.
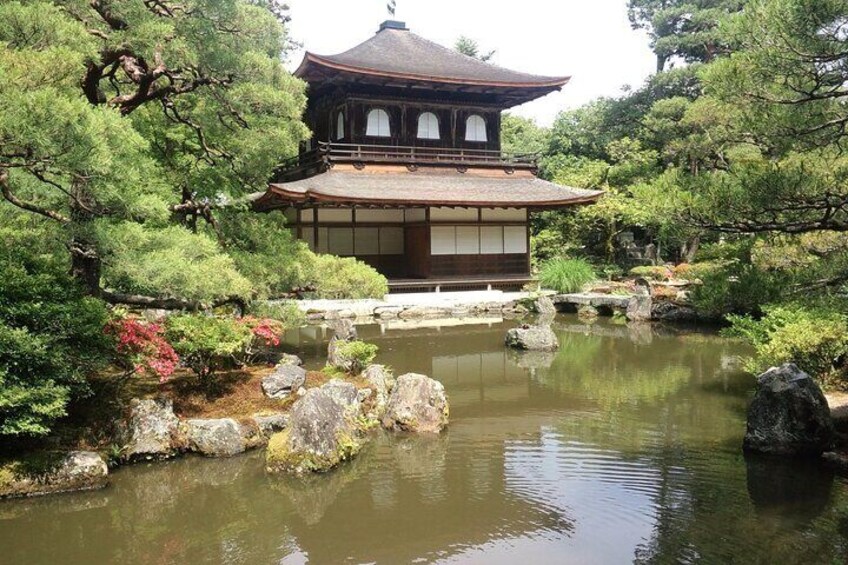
(207, 344)
(142, 348)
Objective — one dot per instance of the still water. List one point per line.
(623, 447)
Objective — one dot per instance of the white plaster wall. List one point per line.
(453, 214)
(504, 214)
(335, 215)
(341, 241)
(363, 215)
(491, 240)
(443, 240)
(515, 239)
(467, 240)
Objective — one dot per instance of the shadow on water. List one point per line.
(622, 446)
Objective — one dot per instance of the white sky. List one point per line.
(591, 40)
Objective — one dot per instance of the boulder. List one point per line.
(215, 438)
(544, 305)
(53, 472)
(532, 338)
(344, 331)
(343, 393)
(639, 308)
(673, 312)
(417, 404)
(290, 359)
(285, 380)
(788, 415)
(251, 434)
(323, 431)
(587, 312)
(381, 380)
(152, 430)
(388, 312)
(424, 312)
(269, 424)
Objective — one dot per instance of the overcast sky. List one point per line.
(591, 40)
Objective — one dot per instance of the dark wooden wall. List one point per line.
(403, 117)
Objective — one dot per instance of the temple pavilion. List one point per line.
(405, 170)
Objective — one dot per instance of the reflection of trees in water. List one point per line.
(666, 407)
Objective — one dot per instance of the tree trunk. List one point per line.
(661, 60)
(690, 248)
(85, 258)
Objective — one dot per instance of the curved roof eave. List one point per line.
(548, 82)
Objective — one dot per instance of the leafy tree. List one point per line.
(786, 168)
(522, 135)
(469, 47)
(687, 29)
(51, 334)
(118, 117)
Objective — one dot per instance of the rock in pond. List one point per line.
(53, 472)
(788, 415)
(532, 338)
(323, 431)
(285, 380)
(152, 431)
(381, 380)
(215, 438)
(641, 304)
(544, 305)
(417, 404)
(344, 331)
(269, 424)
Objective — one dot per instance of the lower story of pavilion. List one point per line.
(418, 223)
(422, 243)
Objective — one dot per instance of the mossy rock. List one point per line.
(49, 472)
(325, 429)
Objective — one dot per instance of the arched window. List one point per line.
(378, 123)
(340, 132)
(475, 128)
(428, 126)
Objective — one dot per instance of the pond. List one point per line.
(623, 447)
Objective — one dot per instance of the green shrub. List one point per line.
(652, 272)
(340, 278)
(693, 271)
(815, 339)
(566, 275)
(207, 344)
(735, 289)
(285, 312)
(547, 245)
(51, 338)
(356, 355)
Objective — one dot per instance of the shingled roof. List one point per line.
(397, 53)
(398, 186)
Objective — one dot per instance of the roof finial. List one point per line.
(391, 6)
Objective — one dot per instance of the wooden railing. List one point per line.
(312, 162)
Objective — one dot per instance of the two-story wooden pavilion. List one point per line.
(405, 169)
